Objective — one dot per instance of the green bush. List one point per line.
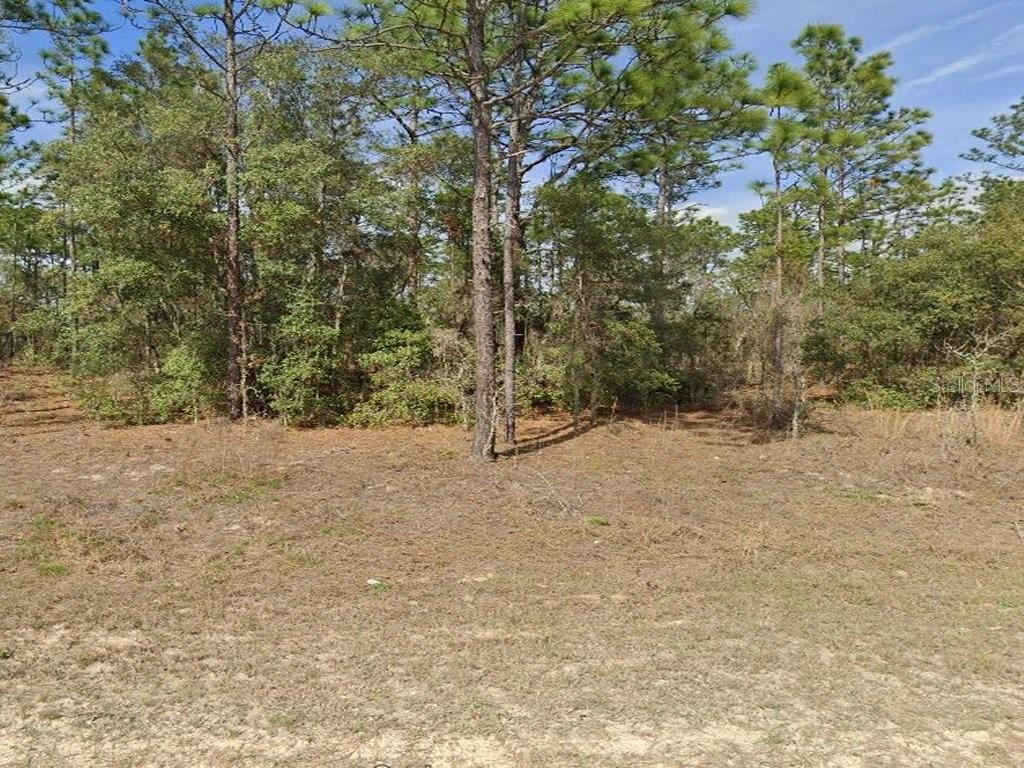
(43, 333)
(914, 393)
(409, 382)
(304, 380)
(181, 389)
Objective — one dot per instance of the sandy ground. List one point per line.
(676, 593)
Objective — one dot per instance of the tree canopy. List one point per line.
(417, 212)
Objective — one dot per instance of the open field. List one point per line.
(664, 594)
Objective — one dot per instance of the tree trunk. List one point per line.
(233, 260)
(779, 230)
(483, 321)
(778, 319)
(820, 259)
(663, 216)
(841, 223)
(69, 211)
(512, 244)
(414, 216)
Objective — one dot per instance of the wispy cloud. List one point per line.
(1016, 69)
(937, 28)
(1007, 44)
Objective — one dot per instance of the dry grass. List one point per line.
(642, 595)
(993, 426)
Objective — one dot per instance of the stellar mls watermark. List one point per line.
(994, 384)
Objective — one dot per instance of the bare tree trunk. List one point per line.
(414, 215)
(483, 321)
(663, 215)
(511, 250)
(779, 230)
(233, 262)
(69, 211)
(820, 258)
(778, 320)
(69, 221)
(841, 223)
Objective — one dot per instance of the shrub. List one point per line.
(304, 380)
(915, 392)
(412, 381)
(180, 389)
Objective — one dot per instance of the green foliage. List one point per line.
(911, 394)
(1003, 141)
(951, 297)
(178, 389)
(404, 382)
(42, 331)
(181, 390)
(353, 197)
(304, 380)
(630, 365)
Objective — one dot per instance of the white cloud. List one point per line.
(723, 214)
(930, 30)
(1016, 69)
(1003, 46)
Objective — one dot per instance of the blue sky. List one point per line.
(961, 59)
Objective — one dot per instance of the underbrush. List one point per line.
(790, 412)
(988, 425)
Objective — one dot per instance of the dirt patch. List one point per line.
(643, 594)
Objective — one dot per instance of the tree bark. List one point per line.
(414, 216)
(778, 319)
(663, 215)
(483, 321)
(510, 253)
(233, 252)
(820, 259)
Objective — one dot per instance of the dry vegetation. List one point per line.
(670, 594)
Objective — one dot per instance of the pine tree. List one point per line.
(1003, 141)
(859, 149)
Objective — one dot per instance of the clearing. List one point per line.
(674, 593)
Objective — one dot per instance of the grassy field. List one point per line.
(676, 593)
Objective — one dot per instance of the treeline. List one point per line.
(432, 211)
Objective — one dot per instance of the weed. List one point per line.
(597, 520)
(287, 722)
(339, 531)
(50, 568)
(50, 539)
(247, 490)
(301, 559)
(221, 487)
(148, 520)
(230, 557)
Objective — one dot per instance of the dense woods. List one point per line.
(425, 211)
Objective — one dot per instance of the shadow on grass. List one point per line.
(716, 427)
(560, 434)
